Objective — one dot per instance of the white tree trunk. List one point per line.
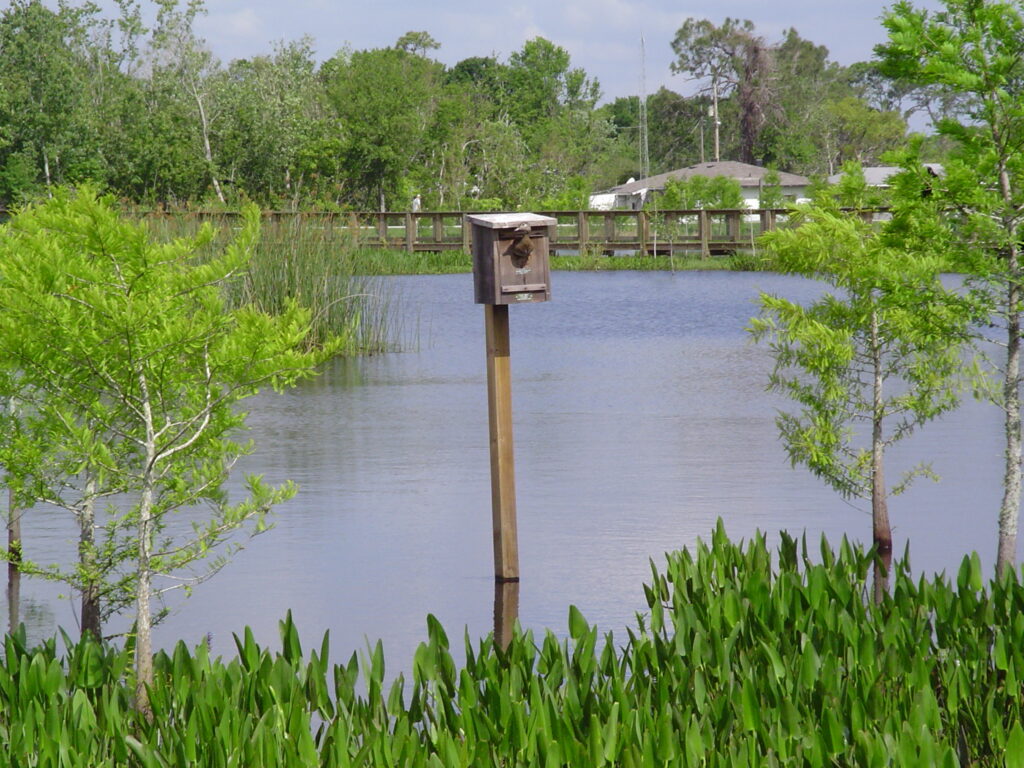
(1009, 510)
(204, 125)
(143, 613)
(46, 172)
(144, 586)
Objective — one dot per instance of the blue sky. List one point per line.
(602, 36)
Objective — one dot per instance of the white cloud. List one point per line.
(245, 24)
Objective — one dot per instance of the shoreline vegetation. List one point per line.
(291, 262)
(744, 657)
(341, 282)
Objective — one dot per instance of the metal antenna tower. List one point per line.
(645, 158)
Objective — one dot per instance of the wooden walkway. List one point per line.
(665, 232)
(701, 231)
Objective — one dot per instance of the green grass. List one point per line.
(601, 263)
(370, 261)
(318, 267)
(378, 261)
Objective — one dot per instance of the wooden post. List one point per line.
(704, 225)
(582, 235)
(382, 227)
(465, 234)
(733, 222)
(506, 611)
(410, 232)
(643, 226)
(499, 406)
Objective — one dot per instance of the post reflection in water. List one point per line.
(506, 611)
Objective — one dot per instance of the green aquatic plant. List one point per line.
(745, 657)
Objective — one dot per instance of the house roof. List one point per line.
(878, 175)
(747, 175)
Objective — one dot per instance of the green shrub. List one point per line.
(699, 192)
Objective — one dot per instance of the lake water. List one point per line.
(640, 417)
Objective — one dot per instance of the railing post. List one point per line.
(643, 226)
(438, 229)
(582, 236)
(465, 234)
(410, 232)
(382, 227)
(704, 228)
(733, 219)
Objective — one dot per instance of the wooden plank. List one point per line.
(499, 408)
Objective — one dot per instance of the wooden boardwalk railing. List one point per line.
(664, 232)
(704, 231)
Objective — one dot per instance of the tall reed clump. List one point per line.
(316, 262)
(739, 662)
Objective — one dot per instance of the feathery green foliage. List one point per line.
(971, 51)
(699, 192)
(127, 369)
(872, 360)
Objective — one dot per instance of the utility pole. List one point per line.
(714, 107)
(645, 159)
(702, 137)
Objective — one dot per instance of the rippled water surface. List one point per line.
(640, 417)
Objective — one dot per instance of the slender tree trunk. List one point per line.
(144, 586)
(718, 122)
(13, 537)
(13, 602)
(87, 560)
(13, 563)
(1009, 510)
(46, 172)
(143, 593)
(881, 529)
(204, 125)
(440, 176)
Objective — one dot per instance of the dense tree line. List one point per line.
(150, 114)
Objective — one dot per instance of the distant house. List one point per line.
(633, 194)
(877, 176)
